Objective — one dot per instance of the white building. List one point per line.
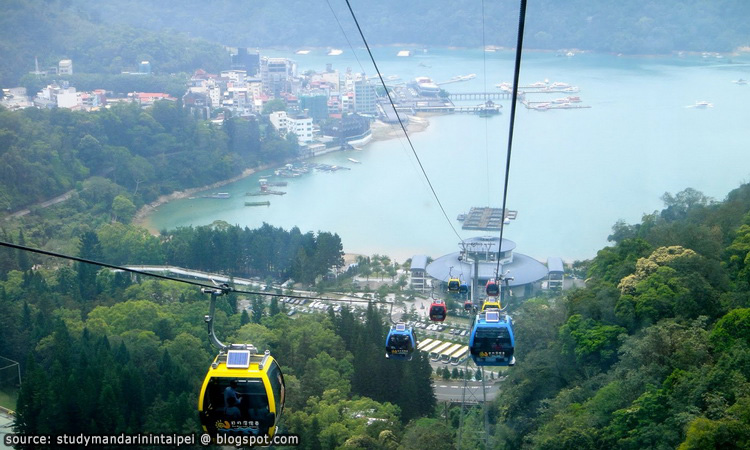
(56, 96)
(279, 122)
(214, 95)
(365, 98)
(299, 124)
(302, 126)
(276, 75)
(65, 67)
(238, 76)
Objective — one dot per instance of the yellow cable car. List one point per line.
(242, 394)
(454, 284)
(490, 304)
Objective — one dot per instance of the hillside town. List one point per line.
(321, 109)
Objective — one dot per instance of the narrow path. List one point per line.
(44, 204)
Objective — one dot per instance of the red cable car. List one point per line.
(492, 288)
(468, 305)
(438, 311)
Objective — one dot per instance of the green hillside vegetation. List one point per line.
(118, 159)
(51, 31)
(643, 27)
(652, 353)
(111, 36)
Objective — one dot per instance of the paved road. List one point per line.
(51, 202)
(453, 390)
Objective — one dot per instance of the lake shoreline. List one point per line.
(381, 131)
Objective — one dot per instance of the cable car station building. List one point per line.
(477, 263)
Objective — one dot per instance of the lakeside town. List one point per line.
(325, 110)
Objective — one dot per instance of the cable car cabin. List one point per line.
(454, 284)
(243, 394)
(463, 289)
(490, 304)
(438, 311)
(468, 305)
(492, 288)
(400, 342)
(492, 342)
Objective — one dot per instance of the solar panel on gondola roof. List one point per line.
(400, 327)
(238, 359)
(492, 316)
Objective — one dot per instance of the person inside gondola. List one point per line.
(399, 342)
(260, 413)
(232, 401)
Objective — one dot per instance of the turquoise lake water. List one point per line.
(574, 173)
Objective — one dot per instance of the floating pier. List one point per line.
(266, 203)
(265, 192)
(486, 219)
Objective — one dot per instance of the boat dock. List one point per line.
(480, 96)
(266, 203)
(264, 192)
(486, 219)
(543, 106)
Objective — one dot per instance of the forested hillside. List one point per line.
(630, 27)
(124, 151)
(51, 31)
(110, 36)
(654, 352)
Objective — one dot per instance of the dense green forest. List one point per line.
(110, 36)
(652, 353)
(125, 151)
(612, 26)
(53, 30)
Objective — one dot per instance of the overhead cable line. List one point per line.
(398, 116)
(514, 99)
(354, 52)
(486, 122)
(223, 287)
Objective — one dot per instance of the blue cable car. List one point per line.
(492, 288)
(454, 284)
(492, 342)
(400, 342)
(463, 289)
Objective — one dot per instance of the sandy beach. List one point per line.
(381, 131)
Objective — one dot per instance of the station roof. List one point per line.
(487, 244)
(419, 262)
(555, 265)
(524, 269)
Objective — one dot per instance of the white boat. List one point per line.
(740, 81)
(703, 105)
(404, 53)
(302, 52)
(335, 52)
(354, 161)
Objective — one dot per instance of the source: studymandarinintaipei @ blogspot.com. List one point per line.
(153, 439)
